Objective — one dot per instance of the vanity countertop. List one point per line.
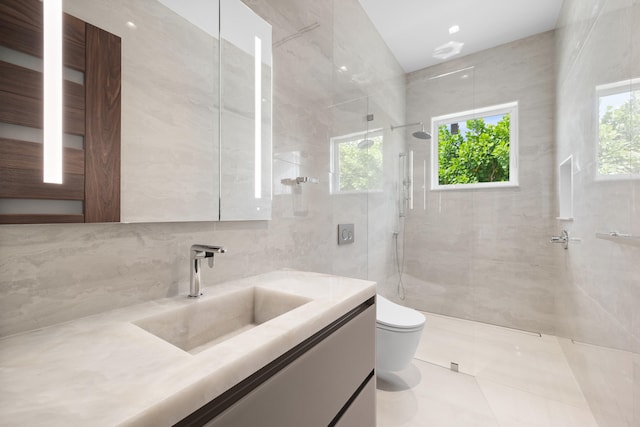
(103, 370)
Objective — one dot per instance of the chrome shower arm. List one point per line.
(407, 125)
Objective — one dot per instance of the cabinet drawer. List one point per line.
(311, 390)
(362, 411)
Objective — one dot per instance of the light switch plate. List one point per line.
(346, 234)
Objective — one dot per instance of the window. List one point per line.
(618, 150)
(474, 149)
(356, 164)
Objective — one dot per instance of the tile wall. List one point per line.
(484, 254)
(598, 43)
(54, 273)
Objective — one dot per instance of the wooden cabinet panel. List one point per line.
(91, 110)
(102, 139)
(21, 177)
(21, 30)
(28, 155)
(21, 99)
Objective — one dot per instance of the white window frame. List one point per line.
(335, 159)
(605, 90)
(512, 109)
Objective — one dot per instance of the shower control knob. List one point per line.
(563, 239)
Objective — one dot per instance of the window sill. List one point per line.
(475, 186)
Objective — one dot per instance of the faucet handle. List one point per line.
(196, 254)
(206, 251)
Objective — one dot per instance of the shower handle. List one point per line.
(563, 239)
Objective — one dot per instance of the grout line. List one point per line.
(297, 34)
(599, 347)
(475, 380)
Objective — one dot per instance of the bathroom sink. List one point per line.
(205, 322)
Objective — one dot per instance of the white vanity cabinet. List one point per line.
(362, 412)
(311, 365)
(327, 380)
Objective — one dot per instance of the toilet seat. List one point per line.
(394, 317)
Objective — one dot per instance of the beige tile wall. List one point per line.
(484, 254)
(598, 42)
(54, 273)
(598, 300)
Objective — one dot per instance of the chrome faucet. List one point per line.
(197, 254)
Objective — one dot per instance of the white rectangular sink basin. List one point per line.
(203, 323)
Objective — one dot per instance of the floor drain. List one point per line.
(454, 367)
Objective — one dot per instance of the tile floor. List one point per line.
(507, 378)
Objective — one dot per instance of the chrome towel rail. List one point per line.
(616, 236)
(299, 180)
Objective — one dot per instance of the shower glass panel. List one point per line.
(384, 206)
(598, 124)
(439, 230)
(480, 253)
(353, 174)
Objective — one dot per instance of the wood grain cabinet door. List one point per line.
(91, 119)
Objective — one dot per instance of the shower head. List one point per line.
(365, 143)
(421, 134)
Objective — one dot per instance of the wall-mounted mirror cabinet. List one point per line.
(245, 66)
(183, 157)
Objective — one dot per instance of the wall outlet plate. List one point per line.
(346, 234)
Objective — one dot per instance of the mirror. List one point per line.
(170, 168)
(172, 89)
(213, 155)
(245, 64)
(221, 155)
(170, 108)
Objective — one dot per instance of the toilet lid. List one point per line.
(397, 316)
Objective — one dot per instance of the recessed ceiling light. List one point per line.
(131, 25)
(454, 29)
(343, 68)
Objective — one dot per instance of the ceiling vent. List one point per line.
(448, 50)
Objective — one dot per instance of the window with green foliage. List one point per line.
(475, 148)
(357, 162)
(619, 130)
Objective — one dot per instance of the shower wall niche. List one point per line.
(565, 189)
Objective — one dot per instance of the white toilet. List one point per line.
(398, 332)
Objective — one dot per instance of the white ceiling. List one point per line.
(413, 29)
